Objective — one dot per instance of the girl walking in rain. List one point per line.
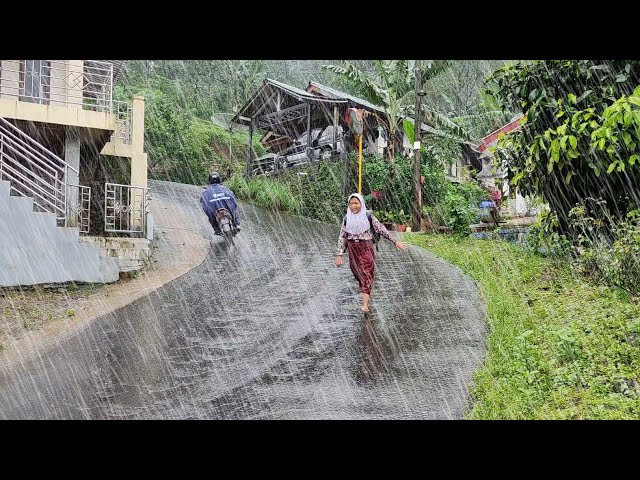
(357, 236)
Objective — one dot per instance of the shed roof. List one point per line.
(292, 95)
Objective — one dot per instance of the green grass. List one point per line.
(559, 347)
(266, 192)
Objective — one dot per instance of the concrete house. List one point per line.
(73, 174)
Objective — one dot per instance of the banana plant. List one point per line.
(390, 86)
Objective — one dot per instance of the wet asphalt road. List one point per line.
(268, 329)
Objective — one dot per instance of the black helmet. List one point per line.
(214, 177)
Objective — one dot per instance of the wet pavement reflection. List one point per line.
(267, 329)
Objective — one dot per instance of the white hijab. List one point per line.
(357, 223)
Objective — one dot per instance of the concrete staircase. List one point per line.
(34, 250)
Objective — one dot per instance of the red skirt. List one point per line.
(362, 263)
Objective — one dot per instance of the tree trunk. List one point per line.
(392, 145)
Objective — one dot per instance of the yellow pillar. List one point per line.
(360, 164)
(139, 158)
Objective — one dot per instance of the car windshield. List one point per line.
(302, 139)
(328, 132)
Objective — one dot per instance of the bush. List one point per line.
(543, 238)
(615, 261)
(459, 214)
(602, 249)
(316, 192)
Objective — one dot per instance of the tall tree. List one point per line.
(459, 95)
(390, 86)
(581, 135)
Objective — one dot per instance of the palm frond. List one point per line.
(361, 81)
(437, 67)
(438, 132)
(436, 119)
(491, 114)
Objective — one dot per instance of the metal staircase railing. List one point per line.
(33, 170)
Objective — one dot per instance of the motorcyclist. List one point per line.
(218, 196)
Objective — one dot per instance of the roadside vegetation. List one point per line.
(560, 346)
(563, 308)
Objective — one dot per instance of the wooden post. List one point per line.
(417, 137)
(335, 128)
(249, 152)
(309, 146)
(360, 164)
(345, 173)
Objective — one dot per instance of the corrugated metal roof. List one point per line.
(332, 92)
(118, 67)
(339, 94)
(290, 90)
(302, 94)
(491, 139)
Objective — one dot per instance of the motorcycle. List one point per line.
(225, 221)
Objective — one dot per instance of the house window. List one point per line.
(454, 169)
(35, 77)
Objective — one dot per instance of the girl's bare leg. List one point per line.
(365, 302)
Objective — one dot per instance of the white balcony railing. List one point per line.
(88, 85)
(79, 207)
(125, 209)
(123, 131)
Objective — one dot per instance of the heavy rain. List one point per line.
(319, 239)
